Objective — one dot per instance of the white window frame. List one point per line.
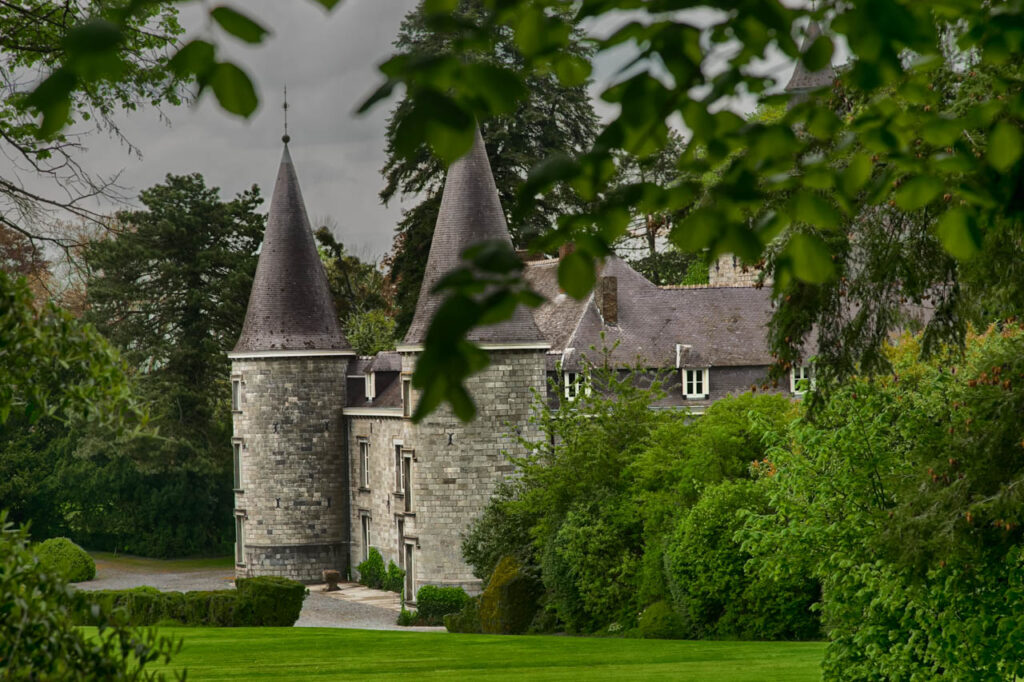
(697, 379)
(364, 463)
(406, 396)
(365, 522)
(575, 384)
(798, 374)
(370, 386)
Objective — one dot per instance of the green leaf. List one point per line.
(576, 274)
(572, 70)
(697, 231)
(959, 234)
(440, 6)
(942, 132)
(811, 258)
(327, 4)
(53, 100)
(917, 192)
(93, 36)
(238, 25)
(1005, 146)
(233, 89)
(810, 208)
(819, 54)
(194, 57)
(856, 175)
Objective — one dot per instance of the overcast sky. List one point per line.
(328, 61)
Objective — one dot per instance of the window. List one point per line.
(407, 397)
(410, 582)
(399, 470)
(239, 539)
(370, 386)
(364, 463)
(695, 384)
(575, 385)
(407, 480)
(236, 447)
(401, 543)
(801, 379)
(366, 536)
(236, 395)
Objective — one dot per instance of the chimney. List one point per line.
(607, 295)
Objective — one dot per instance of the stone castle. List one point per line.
(327, 460)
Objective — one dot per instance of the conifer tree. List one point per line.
(554, 118)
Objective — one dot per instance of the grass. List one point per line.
(333, 654)
(138, 563)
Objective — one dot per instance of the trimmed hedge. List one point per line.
(262, 601)
(62, 557)
(510, 601)
(659, 621)
(467, 620)
(394, 579)
(434, 603)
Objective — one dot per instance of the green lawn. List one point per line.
(331, 654)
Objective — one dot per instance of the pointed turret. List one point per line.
(470, 213)
(290, 306)
(804, 81)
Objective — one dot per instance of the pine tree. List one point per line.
(553, 119)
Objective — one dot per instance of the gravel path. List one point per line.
(320, 610)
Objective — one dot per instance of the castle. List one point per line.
(327, 460)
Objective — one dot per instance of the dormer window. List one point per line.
(575, 384)
(695, 384)
(801, 379)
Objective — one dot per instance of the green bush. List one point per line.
(434, 603)
(509, 603)
(718, 589)
(372, 572)
(66, 559)
(38, 637)
(270, 600)
(394, 579)
(659, 621)
(467, 620)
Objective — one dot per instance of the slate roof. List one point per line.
(470, 213)
(803, 80)
(290, 305)
(724, 326)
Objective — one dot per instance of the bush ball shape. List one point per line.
(659, 621)
(62, 557)
(510, 601)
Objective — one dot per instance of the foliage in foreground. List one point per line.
(38, 637)
(61, 557)
(905, 497)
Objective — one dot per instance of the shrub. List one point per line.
(372, 572)
(467, 620)
(394, 579)
(659, 621)
(66, 559)
(718, 589)
(508, 604)
(434, 603)
(41, 642)
(270, 600)
(407, 618)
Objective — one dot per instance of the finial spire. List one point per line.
(286, 138)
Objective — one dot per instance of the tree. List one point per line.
(170, 289)
(552, 118)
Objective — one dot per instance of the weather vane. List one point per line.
(285, 138)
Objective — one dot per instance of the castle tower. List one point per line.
(455, 467)
(804, 82)
(288, 389)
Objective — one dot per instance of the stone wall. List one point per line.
(729, 271)
(292, 496)
(455, 469)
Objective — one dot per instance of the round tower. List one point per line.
(288, 389)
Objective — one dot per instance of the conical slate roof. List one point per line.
(470, 213)
(802, 80)
(290, 306)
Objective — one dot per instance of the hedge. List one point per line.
(467, 620)
(262, 601)
(66, 559)
(510, 600)
(434, 603)
(372, 572)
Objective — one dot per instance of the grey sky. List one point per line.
(328, 61)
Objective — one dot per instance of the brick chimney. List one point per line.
(607, 295)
